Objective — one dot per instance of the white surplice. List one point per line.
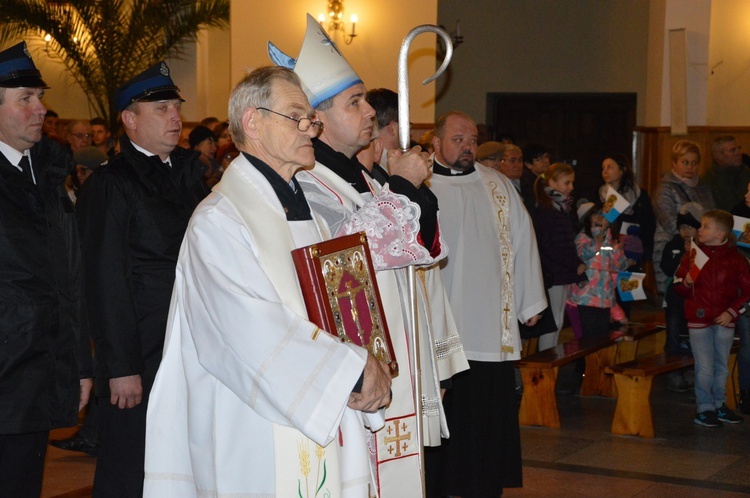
(493, 274)
(250, 398)
(441, 355)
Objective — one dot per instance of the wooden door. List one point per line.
(579, 128)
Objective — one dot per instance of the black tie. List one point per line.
(26, 167)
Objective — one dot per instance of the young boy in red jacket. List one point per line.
(712, 302)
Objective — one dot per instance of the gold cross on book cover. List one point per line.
(341, 293)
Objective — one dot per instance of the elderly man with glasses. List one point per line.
(348, 196)
(251, 398)
(79, 135)
(505, 158)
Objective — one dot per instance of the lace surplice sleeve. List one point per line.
(391, 223)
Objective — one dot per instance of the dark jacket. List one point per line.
(133, 213)
(527, 189)
(670, 261)
(44, 346)
(555, 235)
(643, 216)
(672, 255)
(722, 285)
(727, 183)
(742, 210)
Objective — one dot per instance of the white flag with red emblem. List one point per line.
(698, 259)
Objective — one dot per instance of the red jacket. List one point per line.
(722, 285)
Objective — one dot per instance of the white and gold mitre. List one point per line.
(321, 66)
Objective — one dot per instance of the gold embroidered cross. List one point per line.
(352, 295)
(398, 437)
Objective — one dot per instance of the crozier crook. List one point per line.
(403, 141)
(403, 76)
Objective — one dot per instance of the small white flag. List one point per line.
(741, 230)
(698, 259)
(630, 286)
(614, 204)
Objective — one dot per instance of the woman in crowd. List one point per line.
(678, 186)
(636, 225)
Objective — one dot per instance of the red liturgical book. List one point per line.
(341, 293)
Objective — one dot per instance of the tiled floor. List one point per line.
(580, 459)
(583, 458)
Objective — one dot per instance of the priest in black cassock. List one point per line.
(494, 281)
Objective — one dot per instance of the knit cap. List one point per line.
(199, 134)
(90, 157)
(490, 149)
(690, 213)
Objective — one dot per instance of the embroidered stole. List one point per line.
(500, 210)
(300, 463)
(396, 450)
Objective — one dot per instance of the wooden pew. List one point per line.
(634, 381)
(597, 382)
(539, 373)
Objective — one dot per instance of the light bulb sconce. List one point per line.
(455, 35)
(335, 20)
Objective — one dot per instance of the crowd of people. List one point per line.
(153, 263)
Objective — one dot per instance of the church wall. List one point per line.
(545, 46)
(509, 46)
(64, 95)
(728, 70)
(695, 17)
(209, 69)
(201, 73)
(373, 53)
(206, 73)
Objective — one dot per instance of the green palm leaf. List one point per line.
(323, 480)
(104, 43)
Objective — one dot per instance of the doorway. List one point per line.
(578, 128)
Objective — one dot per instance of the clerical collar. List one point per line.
(439, 169)
(140, 149)
(350, 169)
(290, 194)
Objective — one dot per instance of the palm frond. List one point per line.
(104, 43)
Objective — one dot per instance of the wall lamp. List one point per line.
(335, 22)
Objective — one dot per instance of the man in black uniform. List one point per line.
(133, 214)
(45, 361)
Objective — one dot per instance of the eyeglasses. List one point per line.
(81, 136)
(303, 124)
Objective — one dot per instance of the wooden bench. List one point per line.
(598, 382)
(634, 381)
(539, 373)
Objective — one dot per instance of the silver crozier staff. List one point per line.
(403, 141)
